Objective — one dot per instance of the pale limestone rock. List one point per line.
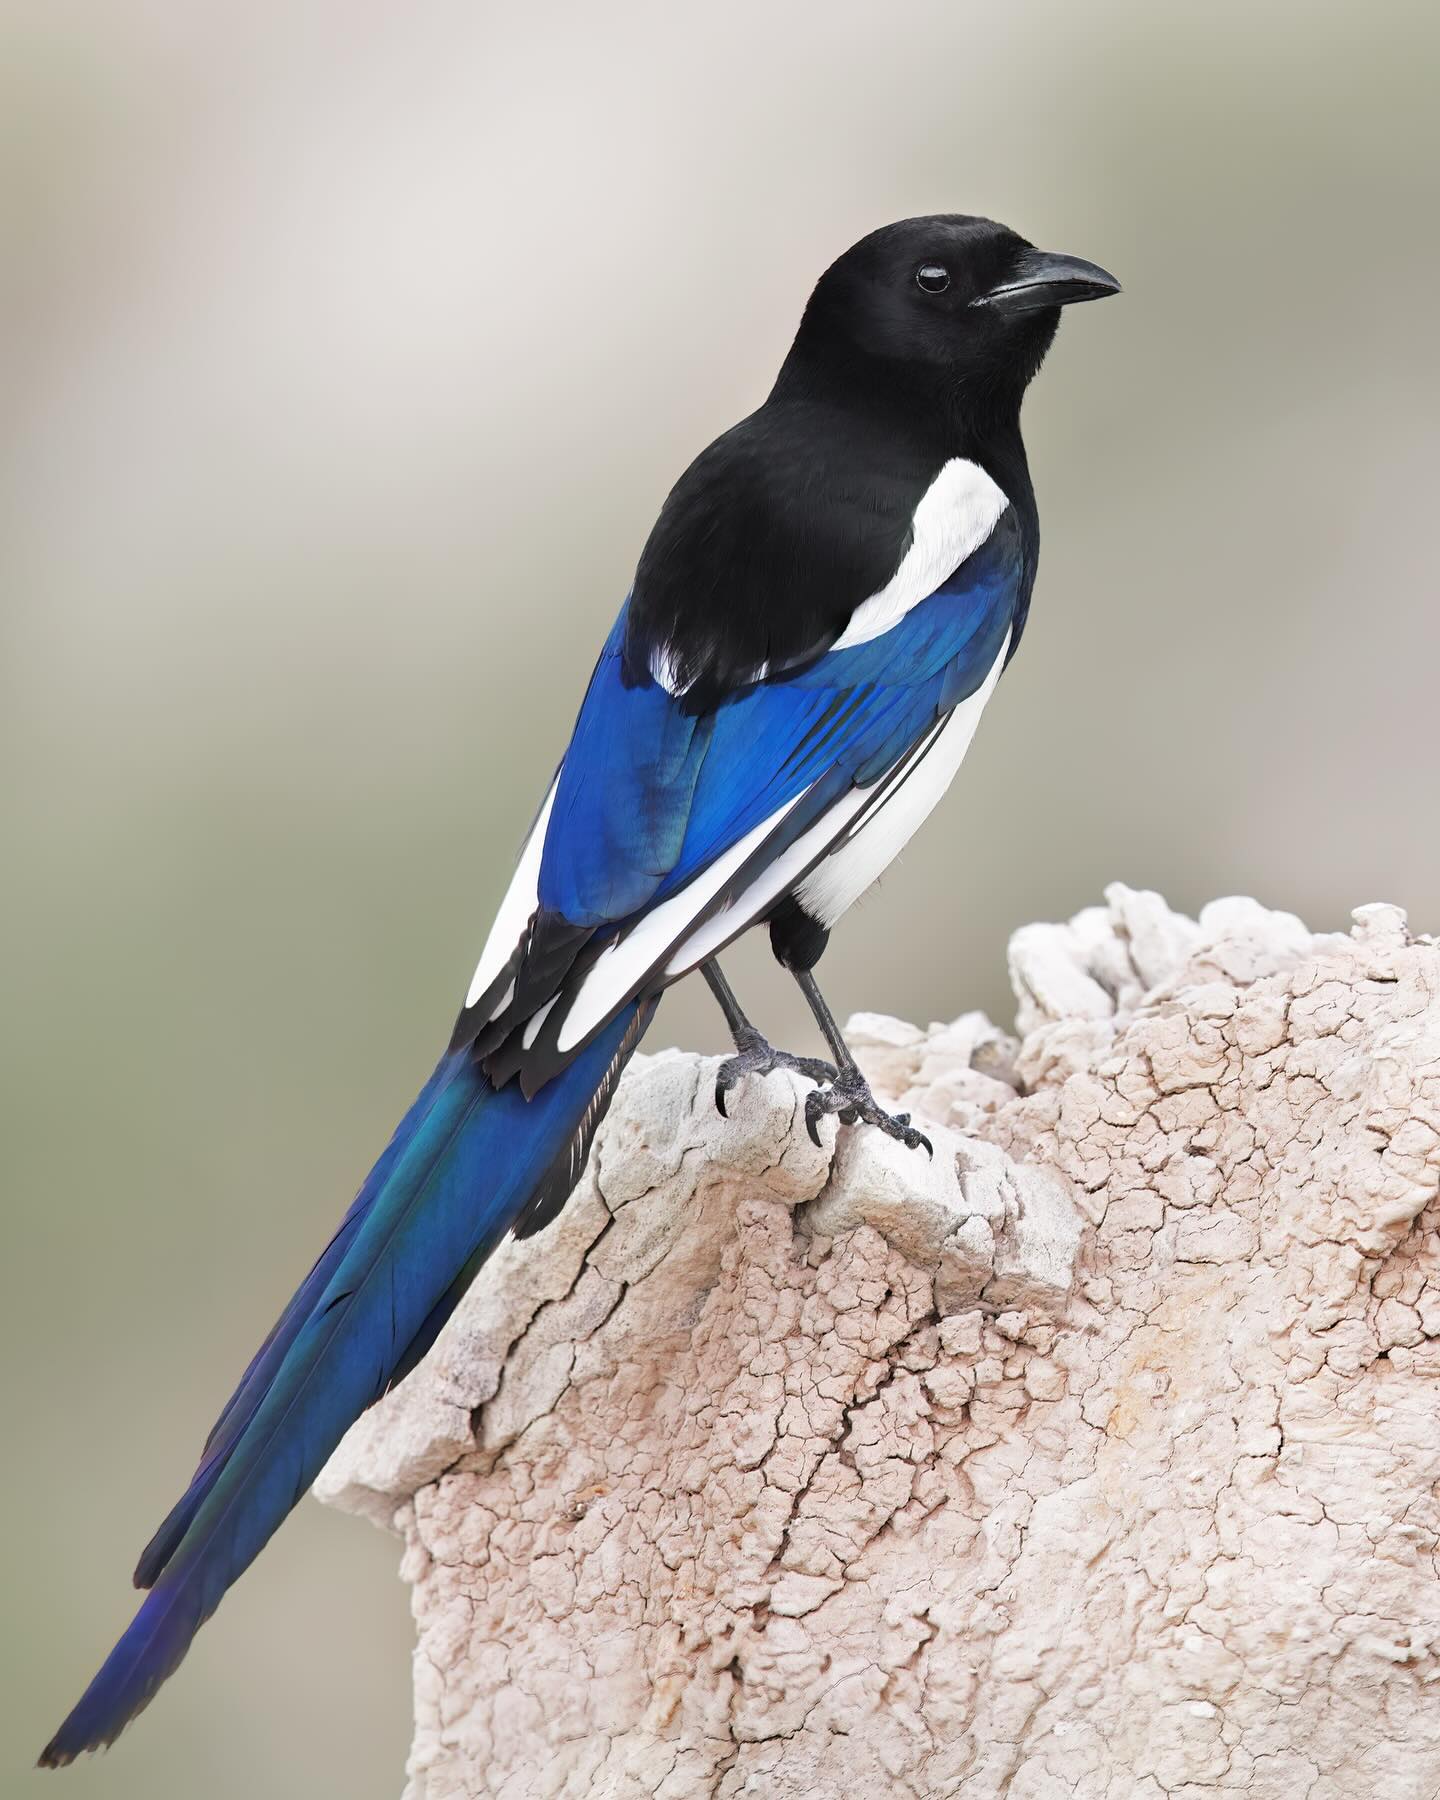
(1096, 1458)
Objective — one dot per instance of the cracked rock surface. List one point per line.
(1097, 1459)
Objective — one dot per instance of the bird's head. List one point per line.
(949, 300)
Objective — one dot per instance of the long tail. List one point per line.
(467, 1164)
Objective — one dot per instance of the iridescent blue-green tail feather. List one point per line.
(467, 1164)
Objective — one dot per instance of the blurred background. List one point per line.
(347, 351)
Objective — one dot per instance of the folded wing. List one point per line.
(666, 833)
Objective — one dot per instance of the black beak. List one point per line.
(1040, 280)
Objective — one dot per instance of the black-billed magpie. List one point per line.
(818, 618)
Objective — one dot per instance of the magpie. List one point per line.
(818, 618)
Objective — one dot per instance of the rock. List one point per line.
(1095, 1457)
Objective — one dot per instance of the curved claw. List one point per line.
(814, 1107)
(849, 1098)
(754, 1056)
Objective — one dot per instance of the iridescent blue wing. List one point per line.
(666, 833)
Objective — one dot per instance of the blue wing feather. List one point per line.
(624, 796)
(649, 796)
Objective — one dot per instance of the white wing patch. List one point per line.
(521, 898)
(717, 931)
(834, 885)
(630, 958)
(957, 512)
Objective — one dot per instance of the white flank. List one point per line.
(957, 512)
(834, 885)
(521, 899)
(768, 886)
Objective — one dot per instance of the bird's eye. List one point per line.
(932, 277)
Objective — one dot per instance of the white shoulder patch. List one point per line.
(957, 512)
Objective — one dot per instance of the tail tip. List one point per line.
(58, 1754)
(74, 1740)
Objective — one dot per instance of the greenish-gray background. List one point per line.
(348, 351)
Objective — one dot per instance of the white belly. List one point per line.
(834, 885)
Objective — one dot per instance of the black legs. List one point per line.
(753, 1054)
(725, 996)
(842, 1089)
(849, 1094)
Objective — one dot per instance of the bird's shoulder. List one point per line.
(770, 541)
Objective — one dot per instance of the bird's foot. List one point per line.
(755, 1056)
(849, 1096)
